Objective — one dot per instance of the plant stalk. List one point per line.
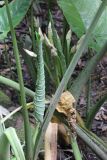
(27, 129)
(75, 148)
(16, 86)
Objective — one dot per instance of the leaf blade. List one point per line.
(15, 143)
(86, 10)
(18, 10)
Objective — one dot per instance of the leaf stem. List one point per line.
(75, 148)
(16, 86)
(22, 91)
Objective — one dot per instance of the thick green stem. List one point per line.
(22, 91)
(66, 78)
(75, 148)
(94, 111)
(16, 86)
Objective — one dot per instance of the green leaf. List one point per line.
(15, 143)
(4, 148)
(18, 11)
(4, 144)
(72, 16)
(58, 46)
(86, 10)
(75, 148)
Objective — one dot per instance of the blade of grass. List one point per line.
(66, 78)
(58, 46)
(75, 148)
(28, 140)
(15, 143)
(4, 148)
(65, 29)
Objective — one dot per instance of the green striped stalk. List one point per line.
(39, 98)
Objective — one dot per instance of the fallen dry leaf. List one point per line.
(101, 115)
(66, 104)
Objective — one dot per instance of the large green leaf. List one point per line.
(72, 15)
(18, 10)
(86, 11)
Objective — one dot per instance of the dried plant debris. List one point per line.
(66, 106)
(66, 103)
(102, 114)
